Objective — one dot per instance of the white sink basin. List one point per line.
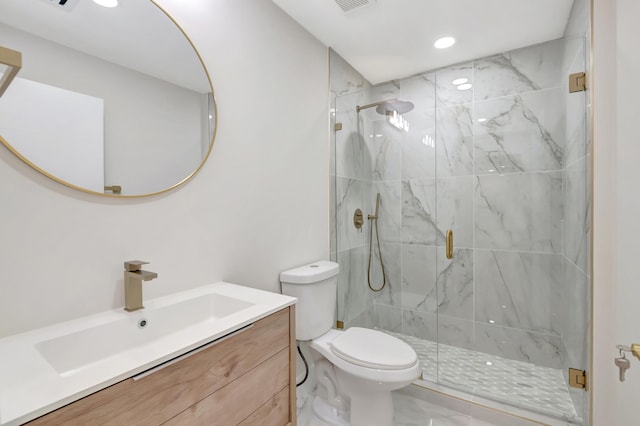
(47, 368)
(94, 344)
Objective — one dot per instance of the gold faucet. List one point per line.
(133, 277)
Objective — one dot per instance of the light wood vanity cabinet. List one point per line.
(246, 379)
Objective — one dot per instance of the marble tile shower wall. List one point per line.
(496, 164)
(350, 187)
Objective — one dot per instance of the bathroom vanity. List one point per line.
(243, 374)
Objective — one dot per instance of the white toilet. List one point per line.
(356, 369)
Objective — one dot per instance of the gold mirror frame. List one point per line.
(116, 195)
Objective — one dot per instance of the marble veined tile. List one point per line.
(388, 90)
(343, 77)
(455, 209)
(578, 23)
(576, 319)
(352, 158)
(410, 411)
(576, 143)
(520, 211)
(351, 194)
(520, 133)
(384, 317)
(448, 85)
(455, 292)
(518, 71)
(432, 283)
(577, 213)
(455, 332)
(385, 150)
(455, 140)
(419, 90)
(420, 324)
(332, 135)
(517, 289)
(419, 271)
(540, 349)
(391, 283)
(419, 212)
(419, 145)
(353, 294)
(414, 406)
(389, 211)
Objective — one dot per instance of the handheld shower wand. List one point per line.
(373, 218)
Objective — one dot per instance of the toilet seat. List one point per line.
(373, 349)
(323, 345)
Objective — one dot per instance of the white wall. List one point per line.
(259, 206)
(616, 208)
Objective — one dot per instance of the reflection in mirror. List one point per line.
(10, 64)
(106, 97)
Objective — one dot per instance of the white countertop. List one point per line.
(31, 387)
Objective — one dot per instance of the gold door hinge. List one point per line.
(577, 82)
(339, 325)
(337, 126)
(578, 378)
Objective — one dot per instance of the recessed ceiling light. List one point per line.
(481, 120)
(443, 43)
(459, 81)
(465, 86)
(106, 3)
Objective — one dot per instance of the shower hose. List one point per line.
(384, 275)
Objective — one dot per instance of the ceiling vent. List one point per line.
(351, 5)
(67, 5)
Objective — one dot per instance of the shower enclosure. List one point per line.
(496, 151)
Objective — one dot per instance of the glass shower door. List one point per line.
(512, 186)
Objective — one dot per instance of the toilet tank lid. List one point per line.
(311, 273)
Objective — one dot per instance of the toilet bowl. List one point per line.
(368, 365)
(356, 369)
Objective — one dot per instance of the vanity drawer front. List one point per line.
(239, 399)
(274, 412)
(158, 397)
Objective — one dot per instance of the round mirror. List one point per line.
(109, 100)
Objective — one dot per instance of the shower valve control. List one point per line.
(358, 219)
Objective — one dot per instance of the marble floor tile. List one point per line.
(412, 410)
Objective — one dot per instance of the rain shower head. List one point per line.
(389, 106)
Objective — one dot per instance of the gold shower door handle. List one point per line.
(449, 241)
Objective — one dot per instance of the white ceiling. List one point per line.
(136, 34)
(392, 39)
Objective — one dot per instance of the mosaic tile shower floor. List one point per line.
(540, 389)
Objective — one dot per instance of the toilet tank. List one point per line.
(315, 285)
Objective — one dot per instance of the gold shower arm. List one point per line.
(13, 60)
(360, 108)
